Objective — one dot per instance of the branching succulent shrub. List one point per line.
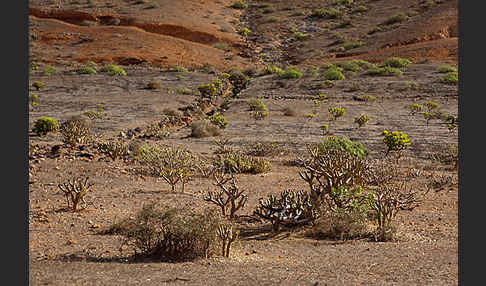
(336, 112)
(44, 125)
(387, 200)
(171, 235)
(395, 141)
(75, 190)
(76, 130)
(291, 209)
(343, 144)
(235, 162)
(229, 197)
(113, 148)
(173, 164)
(328, 169)
(244, 32)
(361, 120)
(227, 237)
(257, 104)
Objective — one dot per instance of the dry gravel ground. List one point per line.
(65, 248)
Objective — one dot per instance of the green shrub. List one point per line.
(178, 68)
(171, 235)
(290, 72)
(239, 4)
(349, 66)
(395, 141)
(384, 71)
(183, 90)
(351, 45)
(259, 115)
(361, 120)
(330, 13)
(174, 164)
(300, 36)
(38, 85)
(87, 70)
(219, 121)
(334, 73)
(244, 32)
(342, 2)
(234, 162)
(451, 78)
(446, 69)
(49, 70)
(360, 9)
(397, 18)
(414, 108)
(44, 125)
(343, 144)
(257, 104)
(263, 149)
(33, 99)
(336, 112)
(114, 70)
(396, 62)
(272, 70)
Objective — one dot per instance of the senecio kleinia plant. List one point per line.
(395, 141)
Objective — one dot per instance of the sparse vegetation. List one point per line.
(361, 120)
(384, 71)
(334, 73)
(396, 62)
(336, 112)
(323, 13)
(397, 18)
(451, 78)
(343, 144)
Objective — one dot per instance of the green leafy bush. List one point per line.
(343, 144)
(323, 13)
(384, 71)
(257, 104)
(397, 18)
(446, 69)
(395, 141)
(336, 112)
(396, 62)
(451, 78)
(334, 73)
(244, 32)
(361, 120)
(87, 70)
(44, 125)
(219, 120)
(114, 70)
(38, 85)
(290, 72)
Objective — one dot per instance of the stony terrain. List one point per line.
(152, 40)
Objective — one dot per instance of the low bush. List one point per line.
(44, 125)
(343, 144)
(336, 112)
(446, 69)
(290, 72)
(451, 78)
(384, 71)
(171, 235)
(361, 120)
(239, 4)
(397, 18)
(114, 70)
(334, 73)
(76, 130)
(396, 62)
(219, 120)
(323, 13)
(204, 128)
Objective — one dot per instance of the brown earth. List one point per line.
(65, 248)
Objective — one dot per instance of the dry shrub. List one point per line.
(263, 149)
(76, 130)
(204, 128)
(170, 235)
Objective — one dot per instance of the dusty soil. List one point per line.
(65, 248)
